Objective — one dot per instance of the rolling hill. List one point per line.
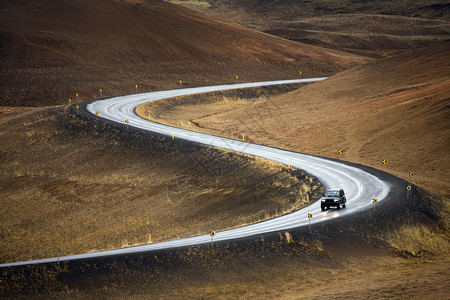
(370, 28)
(52, 49)
(71, 182)
(395, 108)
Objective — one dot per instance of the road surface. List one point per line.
(360, 186)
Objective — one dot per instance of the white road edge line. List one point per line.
(360, 186)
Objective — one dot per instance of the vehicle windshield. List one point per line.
(332, 194)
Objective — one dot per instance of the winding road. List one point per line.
(360, 186)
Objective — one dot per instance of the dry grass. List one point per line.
(84, 186)
(215, 110)
(276, 268)
(91, 187)
(401, 116)
(419, 240)
(398, 114)
(190, 3)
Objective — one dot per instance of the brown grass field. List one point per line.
(372, 112)
(92, 187)
(70, 181)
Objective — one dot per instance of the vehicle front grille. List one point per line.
(329, 200)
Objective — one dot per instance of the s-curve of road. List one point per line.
(360, 186)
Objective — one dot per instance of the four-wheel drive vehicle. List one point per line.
(333, 198)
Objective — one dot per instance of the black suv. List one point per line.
(333, 198)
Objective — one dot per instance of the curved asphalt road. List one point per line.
(360, 186)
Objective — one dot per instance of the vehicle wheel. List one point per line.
(328, 207)
(338, 206)
(343, 205)
(322, 207)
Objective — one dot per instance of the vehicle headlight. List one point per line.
(336, 200)
(323, 200)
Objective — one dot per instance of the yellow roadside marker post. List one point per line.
(300, 73)
(384, 161)
(409, 187)
(76, 95)
(77, 108)
(289, 165)
(149, 117)
(309, 220)
(96, 115)
(70, 101)
(212, 233)
(243, 138)
(307, 198)
(173, 136)
(101, 93)
(136, 87)
(149, 239)
(374, 202)
(126, 121)
(181, 83)
(237, 77)
(340, 152)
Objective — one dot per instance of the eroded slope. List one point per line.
(50, 50)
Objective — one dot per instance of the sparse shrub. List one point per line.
(417, 240)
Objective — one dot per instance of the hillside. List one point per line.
(291, 9)
(92, 186)
(73, 182)
(371, 28)
(395, 109)
(52, 49)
